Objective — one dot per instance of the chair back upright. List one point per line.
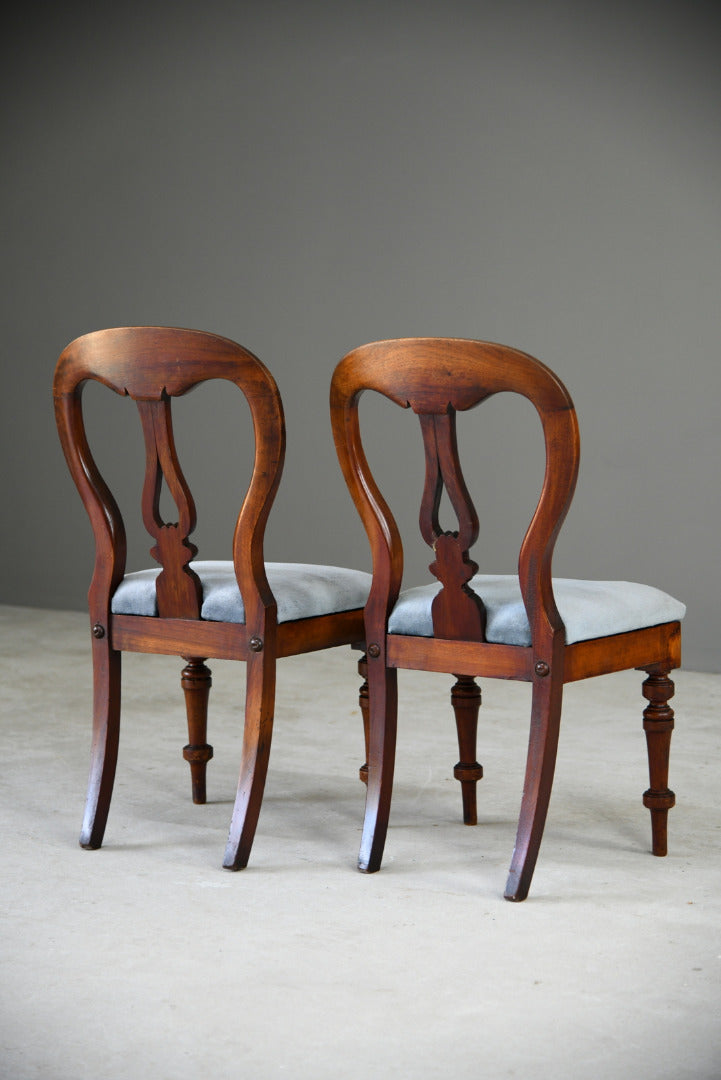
(436, 378)
(152, 365)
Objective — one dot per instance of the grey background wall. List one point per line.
(304, 177)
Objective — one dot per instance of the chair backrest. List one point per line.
(436, 377)
(152, 365)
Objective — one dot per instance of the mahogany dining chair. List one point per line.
(531, 627)
(240, 608)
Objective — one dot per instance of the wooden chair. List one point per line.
(531, 627)
(242, 609)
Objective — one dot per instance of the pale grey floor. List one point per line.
(147, 960)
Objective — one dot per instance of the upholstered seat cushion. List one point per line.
(301, 591)
(589, 609)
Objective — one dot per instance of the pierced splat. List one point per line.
(178, 587)
(457, 611)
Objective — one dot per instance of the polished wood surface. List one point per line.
(151, 366)
(436, 378)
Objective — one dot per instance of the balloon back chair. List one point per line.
(241, 609)
(528, 627)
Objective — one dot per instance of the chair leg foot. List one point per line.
(104, 752)
(466, 701)
(196, 682)
(658, 722)
(515, 891)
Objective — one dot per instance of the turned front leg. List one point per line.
(658, 725)
(196, 683)
(466, 701)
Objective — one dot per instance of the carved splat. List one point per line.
(457, 611)
(178, 587)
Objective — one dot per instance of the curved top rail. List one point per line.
(429, 374)
(146, 362)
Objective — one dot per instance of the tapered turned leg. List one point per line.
(466, 701)
(383, 712)
(540, 767)
(106, 730)
(658, 725)
(257, 734)
(363, 702)
(196, 682)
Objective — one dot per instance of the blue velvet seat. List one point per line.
(301, 591)
(589, 609)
